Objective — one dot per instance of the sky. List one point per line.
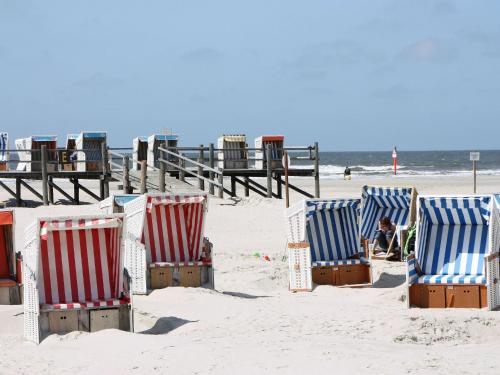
(353, 75)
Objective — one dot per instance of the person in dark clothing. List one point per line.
(347, 173)
(384, 235)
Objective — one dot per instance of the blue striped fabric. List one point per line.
(343, 262)
(4, 146)
(276, 149)
(453, 235)
(332, 229)
(378, 202)
(411, 274)
(497, 200)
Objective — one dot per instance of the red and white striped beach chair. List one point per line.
(74, 277)
(10, 273)
(165, 243)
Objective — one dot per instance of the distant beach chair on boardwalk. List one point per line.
(74, 278)
(456, 253)
(10, 272)
(30, 155)
(232, 152)
(330, 228)
(115, 203)
(165, 243)
(277, 143)
(89, 151)
(396, 203)
(4, 154)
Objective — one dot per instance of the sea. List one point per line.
(410, 163)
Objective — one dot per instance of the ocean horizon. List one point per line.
(410, 163)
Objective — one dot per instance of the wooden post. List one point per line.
(19, 200)
(105, 182)
(316, 170)
(76, 191)
(474, 170)
(201, 159)
(51, 190)
(162, 168)
(279, 186)
(45, 176)
(211, 164)
(144, 176)
(126, 175)
(182, 174)
(269, 166)
(287, 191)
(221, 187)
(233, 186)
(247, 186)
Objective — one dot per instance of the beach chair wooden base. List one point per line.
(3, 166)
(448, 296)
(10, 292)
(352, 274)
(62, 322)
(185, 276)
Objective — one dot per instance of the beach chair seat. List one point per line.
(340, 262)
(396, 203)
(452, 279)
(114, 302)
(165, 242)
(74, 276)
(330, 228)
(455, 263)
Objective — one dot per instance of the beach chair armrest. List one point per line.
(492, 265)
(412, 270)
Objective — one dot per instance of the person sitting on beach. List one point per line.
(384, 235)
(347, 173)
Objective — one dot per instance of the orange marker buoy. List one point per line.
(395, 159)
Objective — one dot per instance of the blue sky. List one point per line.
(354, 75)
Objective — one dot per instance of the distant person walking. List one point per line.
(347, 173)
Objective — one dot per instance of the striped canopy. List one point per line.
(379, 202)
(174, 228)
(80, 260)
(332, 228)
(453, 234)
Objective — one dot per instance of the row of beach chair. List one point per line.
(79, 273)
(455, 262)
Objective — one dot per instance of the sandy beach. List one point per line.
(252, 324)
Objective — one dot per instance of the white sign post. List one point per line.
(474, 157)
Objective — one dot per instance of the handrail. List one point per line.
(215, 183)
(204, 166)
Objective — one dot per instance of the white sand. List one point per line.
(251, 324)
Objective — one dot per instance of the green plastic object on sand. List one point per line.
(256, 254)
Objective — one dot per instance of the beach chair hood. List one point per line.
(454, 235)
(332, 228)
(377, 202)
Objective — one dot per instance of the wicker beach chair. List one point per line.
(165, 243)
(331, 230)
(396, 203)
(456, 253)
(10, 263)
(74, 278)
(277, 143)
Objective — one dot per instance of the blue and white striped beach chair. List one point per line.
(396, 203)
(4, 146)
(456, 253)
(331, 228)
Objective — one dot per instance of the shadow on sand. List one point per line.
(243, 295)
(166, 325)
(387, 280)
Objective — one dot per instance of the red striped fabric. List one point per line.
(79, 261)
(173, 228)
